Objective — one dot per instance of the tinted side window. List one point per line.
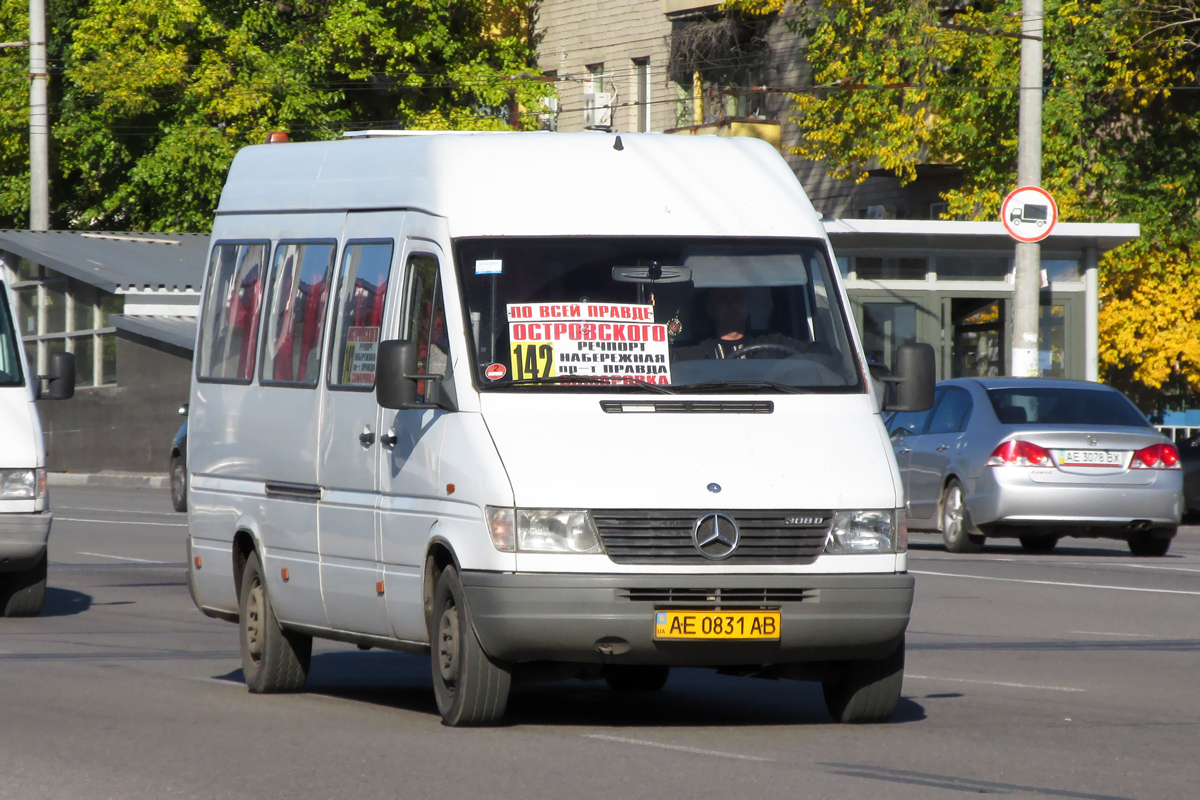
(425, 317)
(362, 290)
(951, 414)
(295, 312)
(229, 328)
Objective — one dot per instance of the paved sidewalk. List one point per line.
(116, 480)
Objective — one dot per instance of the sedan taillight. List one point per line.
(1018, 453)
(1156, 456)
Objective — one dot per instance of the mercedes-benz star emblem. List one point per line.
(715, 535)
(714, 487)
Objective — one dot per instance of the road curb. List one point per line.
(115, 480)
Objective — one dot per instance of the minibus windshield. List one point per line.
(642, 314)
(10, 362)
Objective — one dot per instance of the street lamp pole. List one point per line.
(1027, 281)
(39, 121)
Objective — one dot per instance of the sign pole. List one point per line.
(1027, 281)
(39, 121)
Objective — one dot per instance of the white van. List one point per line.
(579, 405)
(24, 506)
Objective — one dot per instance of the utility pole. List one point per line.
(1027, 281)
(39, 121)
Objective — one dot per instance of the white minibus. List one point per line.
(24, 504)
(582, 405)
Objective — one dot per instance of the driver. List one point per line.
(729, 310)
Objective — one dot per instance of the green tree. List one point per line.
(897, 84)
(156, 96)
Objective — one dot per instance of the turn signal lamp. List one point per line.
(1018, 453)
(1156, 456)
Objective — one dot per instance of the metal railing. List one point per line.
(1179, 433)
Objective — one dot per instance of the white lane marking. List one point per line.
(123, 558)
(123, 522)
(1132, 635)
(1092, 564)
(1007, 684)
(1055, 583)
(679, 748)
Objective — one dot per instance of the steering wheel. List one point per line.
(759, 348)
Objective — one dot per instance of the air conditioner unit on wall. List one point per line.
(597, 111)
(880, 212)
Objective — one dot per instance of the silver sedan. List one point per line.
(1037, 459)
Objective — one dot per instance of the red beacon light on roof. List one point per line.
(278, 137)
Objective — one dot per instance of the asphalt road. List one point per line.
(1072, 675)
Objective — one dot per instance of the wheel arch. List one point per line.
(244, 543)
(439, 554)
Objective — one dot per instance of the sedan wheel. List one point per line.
(956, 523)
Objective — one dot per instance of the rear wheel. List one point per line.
(866, 691)
(178, 484)
(23, 593)
(470, 687)
(273, 660)
(636, 677)
(956, 523)
(1149, 545)
(1039, 544)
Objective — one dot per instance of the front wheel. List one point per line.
(470, 687)
(866, 691)
(178, 484)
(23, 593)
(956, 522)
(273, 660)
(1149, 545)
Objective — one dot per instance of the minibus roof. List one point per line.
(536, 184)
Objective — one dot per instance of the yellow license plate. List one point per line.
(716, 625)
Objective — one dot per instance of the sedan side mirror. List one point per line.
(915, 376)
(60, 382)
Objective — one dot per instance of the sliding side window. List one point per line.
(233, 299)
(295, 313)
(362, 290)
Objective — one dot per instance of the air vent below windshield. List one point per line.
(688, 407)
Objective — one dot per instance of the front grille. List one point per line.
(653, 536)
(710, 598)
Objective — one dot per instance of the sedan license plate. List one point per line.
(716, 625)
(1090, 458)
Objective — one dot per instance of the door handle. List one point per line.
(902, 452)
(942, 447)
(388, 439)
(367, 438)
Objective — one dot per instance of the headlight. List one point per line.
(882, 531)
(543, 530)
(22, 484)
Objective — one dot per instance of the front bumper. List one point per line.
(610, 618)
(1005, 496)
(23, 539)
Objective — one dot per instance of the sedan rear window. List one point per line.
(1052, 405)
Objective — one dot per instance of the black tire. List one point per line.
(470, 687)
(23, 593)
(273, 659)
(1038, 545)
(178, 484)
(866, 691)
(956, 522)
(636, 677)
(1147, 545)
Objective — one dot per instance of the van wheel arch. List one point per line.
(243, 545)
(439, 556)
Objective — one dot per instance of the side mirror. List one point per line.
(914, 380)
(60, 382)
(397, 360)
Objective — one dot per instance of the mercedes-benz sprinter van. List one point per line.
(24, 505)
(574, 404)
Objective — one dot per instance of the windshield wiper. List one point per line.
(589, 379)
(713, 386)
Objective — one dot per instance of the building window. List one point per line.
(59, 314)
(901, 269)
(641, 72)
